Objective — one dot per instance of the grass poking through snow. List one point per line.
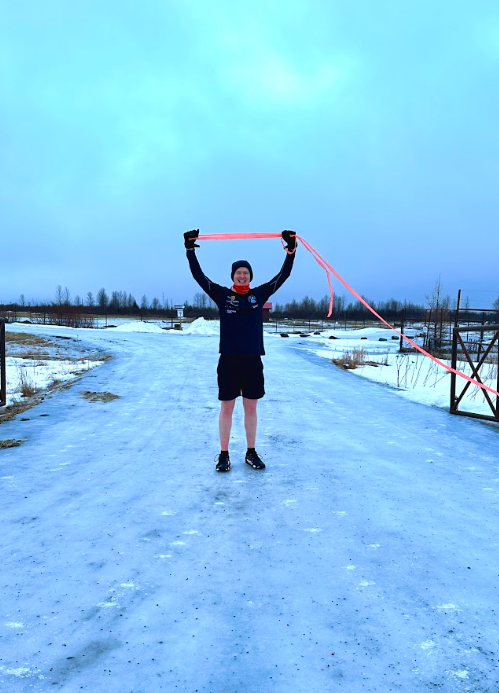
(99, 396)
(10, 443)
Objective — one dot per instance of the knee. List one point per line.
(250, 406)
(227, 407)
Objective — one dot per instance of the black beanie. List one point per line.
(241, 263)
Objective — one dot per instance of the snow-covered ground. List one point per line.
(40, 374)
(363, 559)
(37, 367)
(411, 375)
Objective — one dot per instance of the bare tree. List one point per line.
(114, 303)
(339, 303)
(90, 299)
(439, 312)
(436, 299)
(200, 300)
(102, 298)
(323, 305)
(144, 303)
(496, 304)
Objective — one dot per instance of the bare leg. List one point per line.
(250, 420)
(225, 422)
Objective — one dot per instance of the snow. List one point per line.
(362, 559)
(52, 364)
(411, 375)
(137, 326)
(41, 374)
(202, 326)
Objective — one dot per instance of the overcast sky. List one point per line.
(371, 128)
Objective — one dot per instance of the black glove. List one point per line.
(290, 238)
(190, 237)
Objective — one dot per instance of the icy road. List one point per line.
(365, 558)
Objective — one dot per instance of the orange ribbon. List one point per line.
(327, 268)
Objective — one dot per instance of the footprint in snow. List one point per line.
(448, 607)
(427, 645)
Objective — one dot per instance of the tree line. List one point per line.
(307, 308)
(102, 303)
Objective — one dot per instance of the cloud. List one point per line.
(488, 38)
(126, 121)
(263, 58)
(271, 80)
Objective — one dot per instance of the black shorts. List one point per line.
(240, 375)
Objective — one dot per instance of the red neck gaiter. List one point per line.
(241, 288)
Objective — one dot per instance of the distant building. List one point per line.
(267, 307)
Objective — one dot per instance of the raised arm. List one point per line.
(214, 291)
(276, 282)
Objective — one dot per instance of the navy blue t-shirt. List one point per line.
(241, 315)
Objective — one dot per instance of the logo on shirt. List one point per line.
(252, 299)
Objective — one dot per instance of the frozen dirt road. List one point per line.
(364, 558)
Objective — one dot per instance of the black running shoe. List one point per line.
(254, 460)
(223, 462)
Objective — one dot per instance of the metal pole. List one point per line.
(480, 339)
(497, 385)
(3, 368)
(453, 375)
(456, 323)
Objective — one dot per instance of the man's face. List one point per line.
(242, 276)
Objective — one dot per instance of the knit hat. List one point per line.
(241, 263)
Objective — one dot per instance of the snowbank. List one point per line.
(39, 374)
(138, 326)
(366, 332)
(202, 326)
(414, 376)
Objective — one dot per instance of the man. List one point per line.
(240, 368)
